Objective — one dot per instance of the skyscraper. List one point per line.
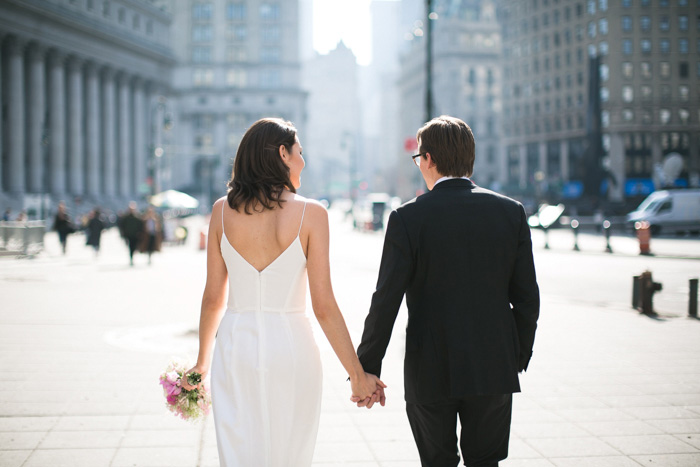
(598, 93)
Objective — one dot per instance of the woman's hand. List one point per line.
(185, 384)
(367, 389)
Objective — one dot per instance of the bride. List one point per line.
(264, 240)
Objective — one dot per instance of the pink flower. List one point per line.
(172, 399)
(172, 377)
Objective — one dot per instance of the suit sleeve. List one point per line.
(524, 294)
(395, 271)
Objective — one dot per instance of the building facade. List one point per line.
(238, 61)
(466, 83)
(598, 94)
(80, 84)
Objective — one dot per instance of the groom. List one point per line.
(462, 256)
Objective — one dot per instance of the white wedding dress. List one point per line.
(266, 370)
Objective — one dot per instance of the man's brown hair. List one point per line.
(450, 143)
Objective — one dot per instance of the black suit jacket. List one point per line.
(462, 255)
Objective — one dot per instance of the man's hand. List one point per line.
(368, 402)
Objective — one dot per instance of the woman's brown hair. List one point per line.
(259, 175)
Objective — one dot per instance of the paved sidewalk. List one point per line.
(83, 340)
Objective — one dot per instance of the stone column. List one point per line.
(543, 159)
(15, 116)
(92, 131)
(109, 142)
(124, 154)
(523, 165)
(564, 158)
(57, 129)
(656, 152)
(617, 167)
(37, 135)
(76, 157)
(139, 147)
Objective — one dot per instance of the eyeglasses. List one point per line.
(416, 160)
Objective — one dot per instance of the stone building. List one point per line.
(466, 82)
(631, 66)
(81, 85)
(237, 61)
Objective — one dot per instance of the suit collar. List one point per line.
(454, 183)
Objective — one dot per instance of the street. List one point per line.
(83, 340)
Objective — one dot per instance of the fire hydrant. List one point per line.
(643, 229)
(647, 288)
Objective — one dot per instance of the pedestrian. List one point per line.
(131, 226)
(94, 228)
(462, 256)
(63, 225)
(266, 369)
(152, 236)
(7, 215)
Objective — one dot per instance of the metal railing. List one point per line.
(22, 238)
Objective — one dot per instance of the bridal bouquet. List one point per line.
(189, 405)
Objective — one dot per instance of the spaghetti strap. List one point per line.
(223, 233)
(302, 218)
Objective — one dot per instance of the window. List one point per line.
(645, 46)
(683, 93)
(646, 93)
(236, 54)
(663, 2)
(122, 16)
(270, 79)
(236, 11)
(683, 46)
(591, 50)
(627, 93)
(626, 3)
(105, 9)
(683, 69)
(628, 115)
(626, 23)
(646, 70)
(270, 55)
(627, 70)
(603, 48)
(664, 23)
(603, 5)
(201, 33)
(271, 34)
(203, 77)
(664, 69)
(646, 116)
(236, 32)
(603, 26)
(201, 11)
(683, 22)
(605, 118)
(201, 54)
(604, 72)
(591, 29)
(665, 46)
(646, 2)
(683, 114)
(91, 5)
(236, 78)
(269, 11)
(665, 116)
(645, 23)
(604, 94)
(591, 7)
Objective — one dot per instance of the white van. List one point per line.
(669, 211)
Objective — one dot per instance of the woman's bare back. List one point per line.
(260, 238)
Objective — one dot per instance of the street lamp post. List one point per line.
(429, 59)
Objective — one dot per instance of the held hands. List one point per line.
(368, 390)
(185, 384)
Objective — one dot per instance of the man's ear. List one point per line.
(429, 159)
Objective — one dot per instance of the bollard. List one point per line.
(693, 299)
(635, 291)
(643, 230)
(574, 227)
(606, 228)
(647, 288)
(546, 238)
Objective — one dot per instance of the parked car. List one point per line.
(669, 211)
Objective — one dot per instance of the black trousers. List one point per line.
(485, 421)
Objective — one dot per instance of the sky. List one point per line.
(346, 20)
